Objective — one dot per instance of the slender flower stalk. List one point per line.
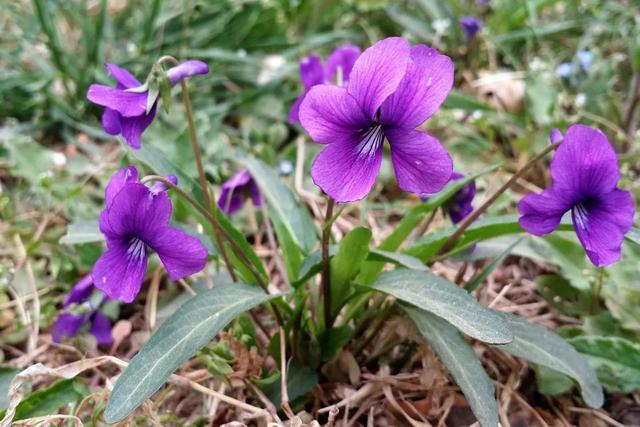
(237, 250)
(326, 268)
(491, 200)
(201, 175)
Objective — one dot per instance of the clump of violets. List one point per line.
(134, 222)
(82, 308)
(131, 105)
(470, 26)
(460, 204)
(585, 176)
(393, 88)
(313, 73)
(236, 190)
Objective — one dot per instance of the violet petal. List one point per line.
(421, 163)
(181, 254)
(346, 169)
(329, 114)
(377, 73)
(425, 86)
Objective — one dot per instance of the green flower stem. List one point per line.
(325, 282)
(476, 213)
(201, 175)
(222, 232)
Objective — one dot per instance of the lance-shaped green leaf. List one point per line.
(346, 263)
(633, 236)
(82, 232)
(189, 329)
(539, 345)
(461, 361)
(445, 299)
(412, 219)
(481, 277)
(313, 263)
(291, 214)
(483, 229)
(400, 259)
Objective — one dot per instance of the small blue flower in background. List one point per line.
(470, 25)
(286, 167)
(585, 59)
(564, 70)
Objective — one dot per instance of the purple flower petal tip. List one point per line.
(312, 73)
(186, 69)
(392, 89)
(470, 25)
(585, 176)
(460, 204)
(555, 136)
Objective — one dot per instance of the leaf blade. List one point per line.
(539, 345)
(437, 295)
(190, 328)
(461, 361)
(281, 200)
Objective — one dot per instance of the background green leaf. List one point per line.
(616, 361)
(293, 216)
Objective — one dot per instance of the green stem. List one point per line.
(201, 174)
(476, 213)
(326, 268)
(597, 289)
(216, 225)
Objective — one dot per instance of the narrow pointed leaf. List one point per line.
(291, 214)
(445, 299)
(412, 219)
(461, 361)
(82, 232)
(483, 229)
(189, 329)
(539, 345)
(481, 277)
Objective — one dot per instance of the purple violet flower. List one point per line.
(126, 112)
(393, 88)
(470, 25)
(69, 323)
(585, 175)
(236, 189)
(135, 220)
(312, 73)
(460, 204)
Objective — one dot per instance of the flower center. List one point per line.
(580, 215)
(137, 249)
(370, 141)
